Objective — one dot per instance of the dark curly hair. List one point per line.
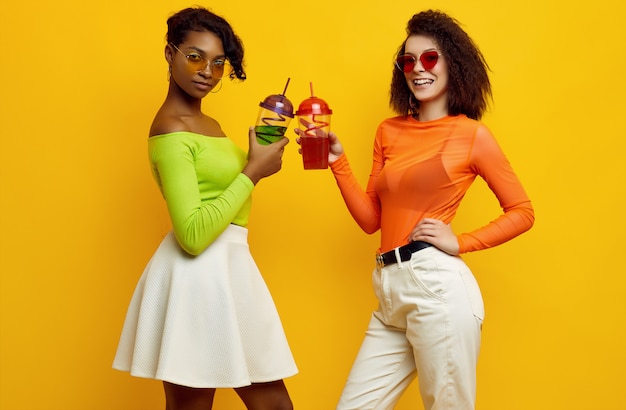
(200, 19)
(469, 89)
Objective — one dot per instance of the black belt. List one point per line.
(387, 258)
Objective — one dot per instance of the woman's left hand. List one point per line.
(436, 232)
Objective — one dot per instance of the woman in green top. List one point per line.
(201, 316)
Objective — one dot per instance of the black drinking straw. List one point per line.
(286, 85)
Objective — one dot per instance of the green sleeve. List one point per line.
(199, 217)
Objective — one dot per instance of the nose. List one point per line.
(418, 66)
(206, 71)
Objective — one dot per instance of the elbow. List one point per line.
(530, 215)
(369, 228)
(531, 221)
(370, 231)
(527, 217)
(193, 238)
(191, 246)
(369, 222)
(193, 250)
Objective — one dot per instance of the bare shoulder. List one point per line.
(165, 124)
(209, 126)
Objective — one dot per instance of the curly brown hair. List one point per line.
(469, 89)
(200, 19)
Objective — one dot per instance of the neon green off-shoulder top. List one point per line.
(200, 178)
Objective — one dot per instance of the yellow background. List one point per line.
(80, 214)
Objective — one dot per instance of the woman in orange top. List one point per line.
(430, 312)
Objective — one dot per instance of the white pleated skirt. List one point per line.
(206, 320)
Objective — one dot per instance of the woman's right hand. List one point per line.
(335, 149)
(263, 160)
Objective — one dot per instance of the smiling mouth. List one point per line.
(422, 81)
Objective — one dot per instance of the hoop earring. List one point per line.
(412, 106)
(213, 91)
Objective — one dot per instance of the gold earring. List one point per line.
(213, 90)
(413, 107)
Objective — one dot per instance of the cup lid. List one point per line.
(313, 105)
(279, 104)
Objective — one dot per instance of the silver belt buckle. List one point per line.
(379, 260)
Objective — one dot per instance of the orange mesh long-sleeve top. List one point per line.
(423, 170)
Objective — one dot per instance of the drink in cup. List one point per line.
(275, 113)
(314, 121)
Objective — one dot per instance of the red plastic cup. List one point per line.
(314, 120)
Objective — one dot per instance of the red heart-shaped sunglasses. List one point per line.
(428, 59)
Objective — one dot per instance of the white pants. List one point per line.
(428, 324)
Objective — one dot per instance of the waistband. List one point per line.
(405, 252)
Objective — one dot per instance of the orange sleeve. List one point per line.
(364, 206)
(488, 161)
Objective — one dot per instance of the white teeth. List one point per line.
(422, 81)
